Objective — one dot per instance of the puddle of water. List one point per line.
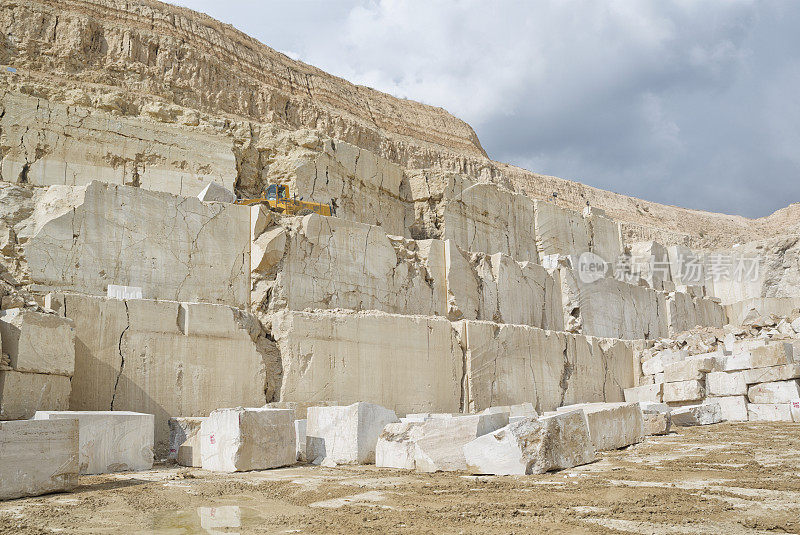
(212, 520)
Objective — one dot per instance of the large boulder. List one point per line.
(532, 446)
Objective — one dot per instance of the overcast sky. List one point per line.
(694, 103)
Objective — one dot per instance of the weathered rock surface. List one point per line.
(532, 446)
(38, 457)
(239, 440)
(38, 343)
(172, 247)
(704, 414)
(22, 394)
(110, 441)
(347, 434)
(396, 445)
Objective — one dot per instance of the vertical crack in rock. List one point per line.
(566, 373)
(121, 354)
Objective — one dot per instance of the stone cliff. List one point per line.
(165, 98)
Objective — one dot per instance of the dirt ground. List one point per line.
(726, 478)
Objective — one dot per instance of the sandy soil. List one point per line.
(727, 478)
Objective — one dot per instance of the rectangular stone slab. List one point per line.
(396, 445)
(704, 414)
(38, 457)
(733, 408)
(725, 384)
(110, 441)
(22, 394)
(653, 393)
(769, 412)
(345, 435)
(238, 440)
(684, 391)
(775, 392)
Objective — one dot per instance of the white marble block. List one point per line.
(238, 440)
(532, 446)
(732, 408)
(704, 414)
(611, 425)
(776, 392)
(300, 439)
(37, 457)
(684, 391)
(396, 445)
(38, 343)
(773, 354)
(345, 434)
(525, 410)
(216, 193)
(653, 393)
(440, 445)
(22, 394)
(184, 440)
(769, 412)
(689, 369)
(771, 374)
(725, 384)
(110, 441)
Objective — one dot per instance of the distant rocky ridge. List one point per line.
(192, 99)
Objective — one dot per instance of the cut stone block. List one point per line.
(216, 193)
(774, 354)
(654, 408)
(653, 393)
(688, 370)
(38, 457)
(513, 411)
(300, 439)
(769, 412)
(733, 408)
(611, 425)
(776, 392)
(238, 440)
(532, 446)
(184, 440)
(684, 391)
(658, 423)
(110, 441)
(705, 414)
(397, 444)
(440, 446)
(771, 374)
(794, 408)
(737, 362)
(345, 435)
(656, 364)
(38, 343)
(116, 291)
(725, 384)
(22, 394)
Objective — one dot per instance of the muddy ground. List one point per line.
(726, 478)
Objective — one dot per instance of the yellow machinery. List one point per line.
(276, 196)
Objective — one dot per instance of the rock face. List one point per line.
(239, 440)
(110, 441)
(172, 247)
(345, 435)
(167, 358)
(532, 446)
(37, 457)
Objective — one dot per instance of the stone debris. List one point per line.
(184, 440)
(38, 457)
(345, 434)
(702, 414)
(532, 446)
(439, 444)
(110, 441)
(612, 425)
(239, 440)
